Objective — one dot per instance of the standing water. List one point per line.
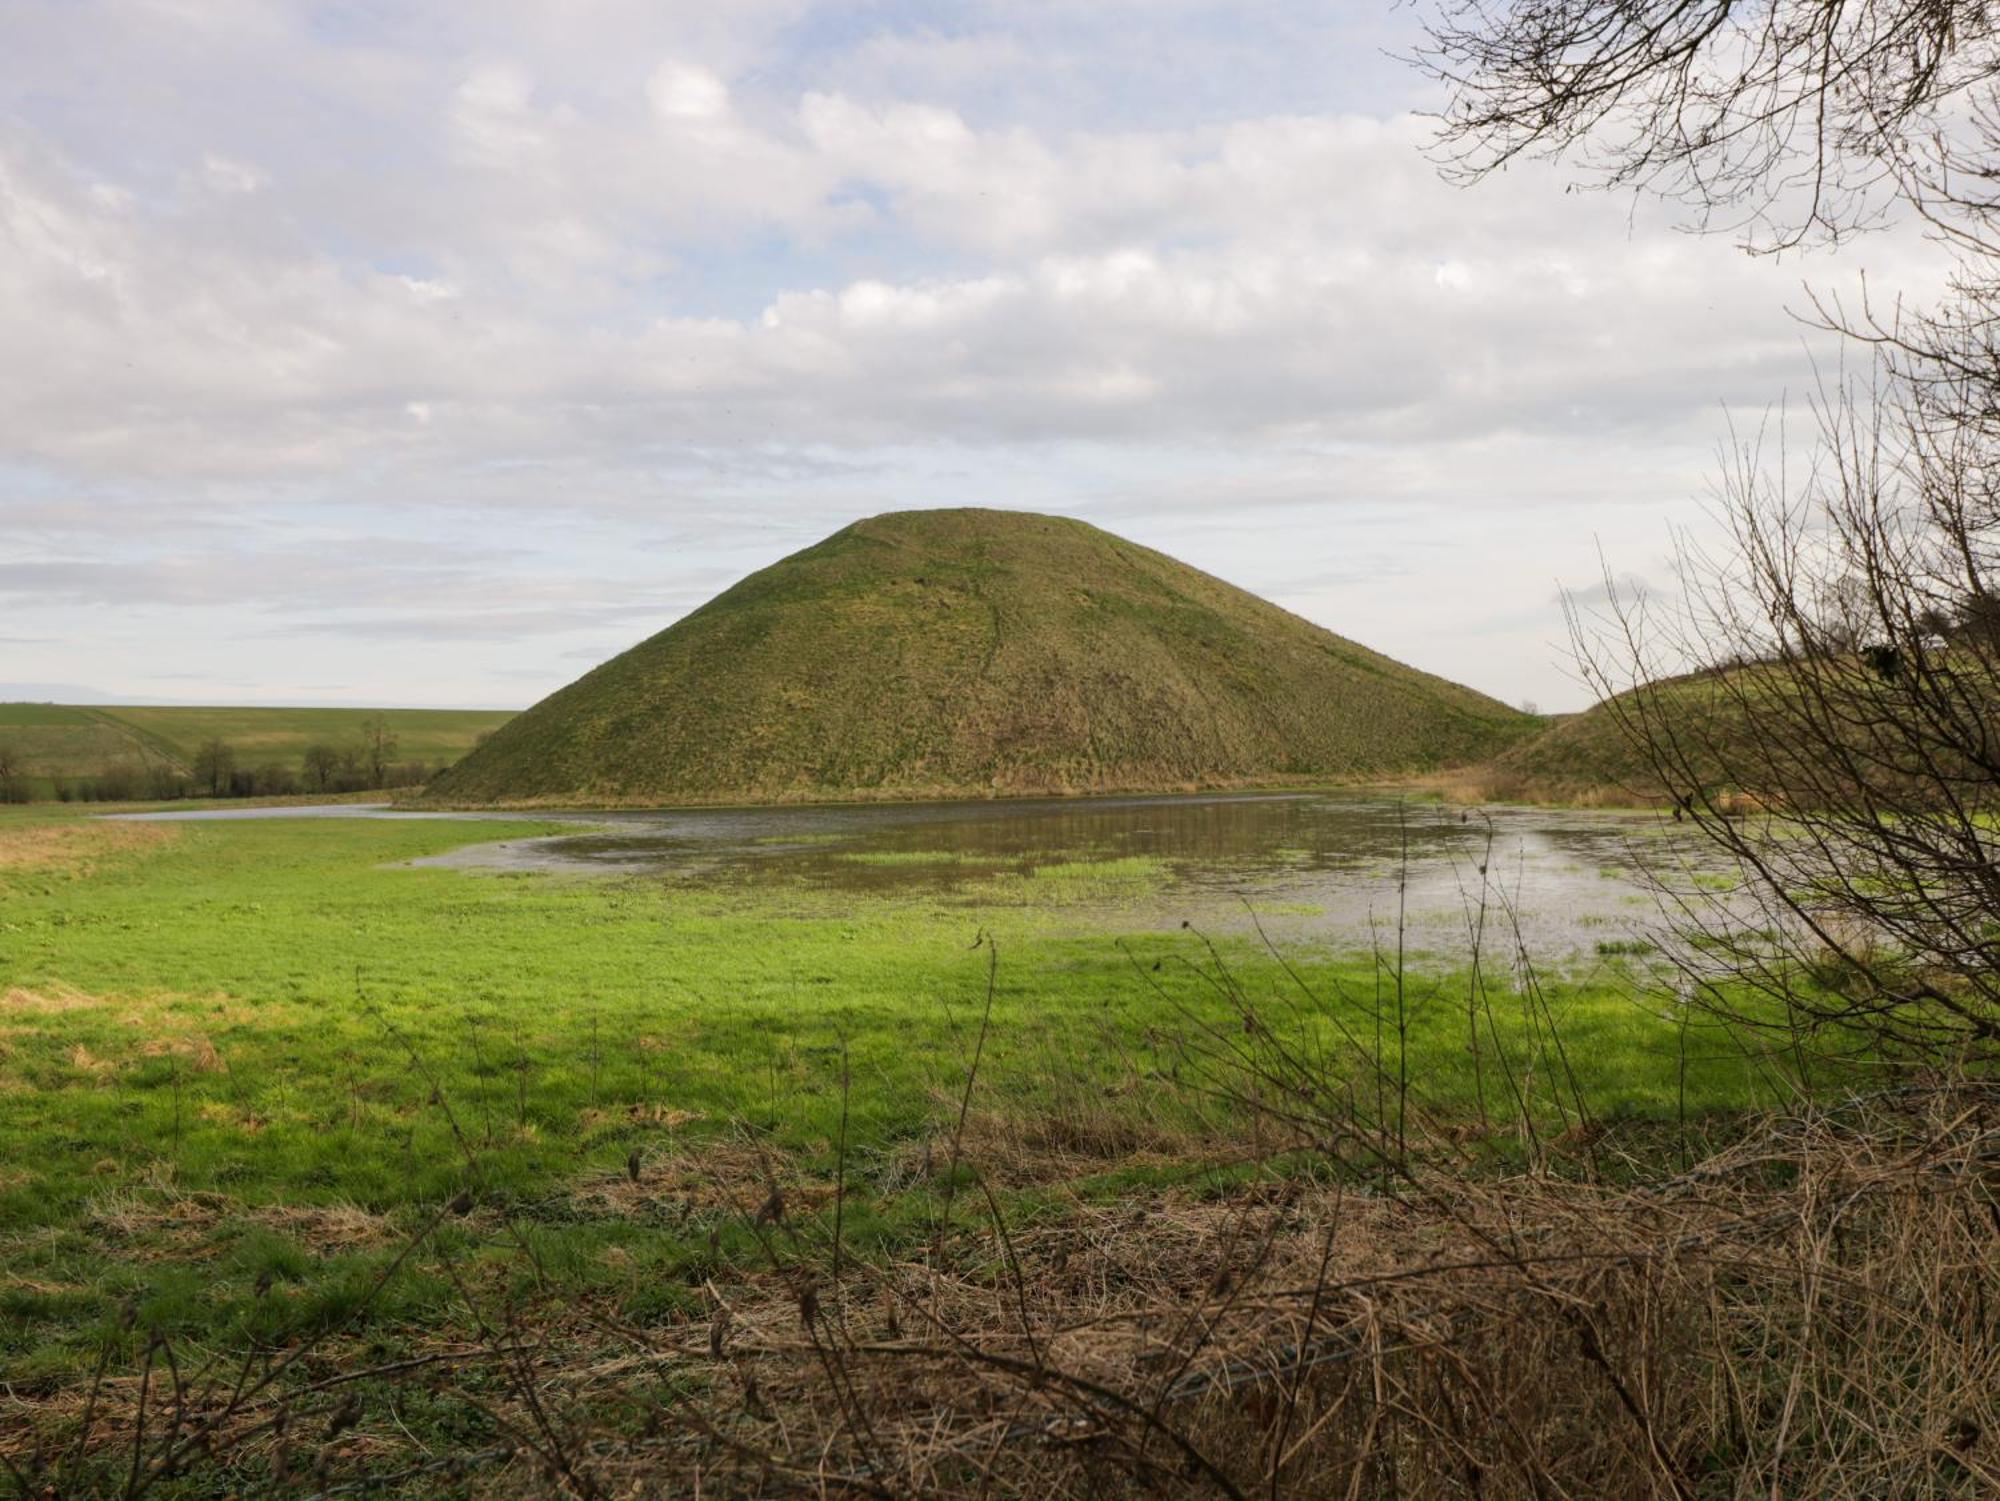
(1338, 865)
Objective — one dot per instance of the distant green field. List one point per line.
(69, 741)
(48, 742)
(421, 734)
(42, 714)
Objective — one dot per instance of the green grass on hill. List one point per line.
(16, 716)
(1592, 758)
(433, 735)
(46, 742)
(974, 653)
(1579, 758)
(75, 742)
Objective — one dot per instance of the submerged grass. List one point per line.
(894, 858)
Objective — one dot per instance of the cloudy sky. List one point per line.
(427, 353)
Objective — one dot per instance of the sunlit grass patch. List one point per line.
(1125, 870)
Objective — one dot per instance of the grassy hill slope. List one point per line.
(971, 653)
(1589, 758)
(283, 734)
(47, 742)
(71, 742)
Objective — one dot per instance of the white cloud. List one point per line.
(493, 117)
(227, 176)
(624, 271)
(683, 91)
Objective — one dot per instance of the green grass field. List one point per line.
(71, 742)
(432, 735)
(14, 716)
(232, 1052)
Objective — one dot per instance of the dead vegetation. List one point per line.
(50, 1001)
(1813, 1311)
(163, 1216)
(75, 848)
(1498, 782)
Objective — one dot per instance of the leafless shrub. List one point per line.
(1793, 119)
(1822, 697)
(1852, 772)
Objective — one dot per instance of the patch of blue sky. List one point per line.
(1162, 64)
(740, 280)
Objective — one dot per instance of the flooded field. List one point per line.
(255, 1056)
(1337, 866)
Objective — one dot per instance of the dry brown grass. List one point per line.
(52, 1001)
(337, 1227)
(196, 1051)
(85, 1061)
(56, 998)
(49, 1001)
(1816, 1312)
(76, 848)
(1813, 1312)
(164, 1218)
(1497, 782)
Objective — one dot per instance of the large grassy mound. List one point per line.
(972, 653)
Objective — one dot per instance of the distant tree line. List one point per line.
(365, 764)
